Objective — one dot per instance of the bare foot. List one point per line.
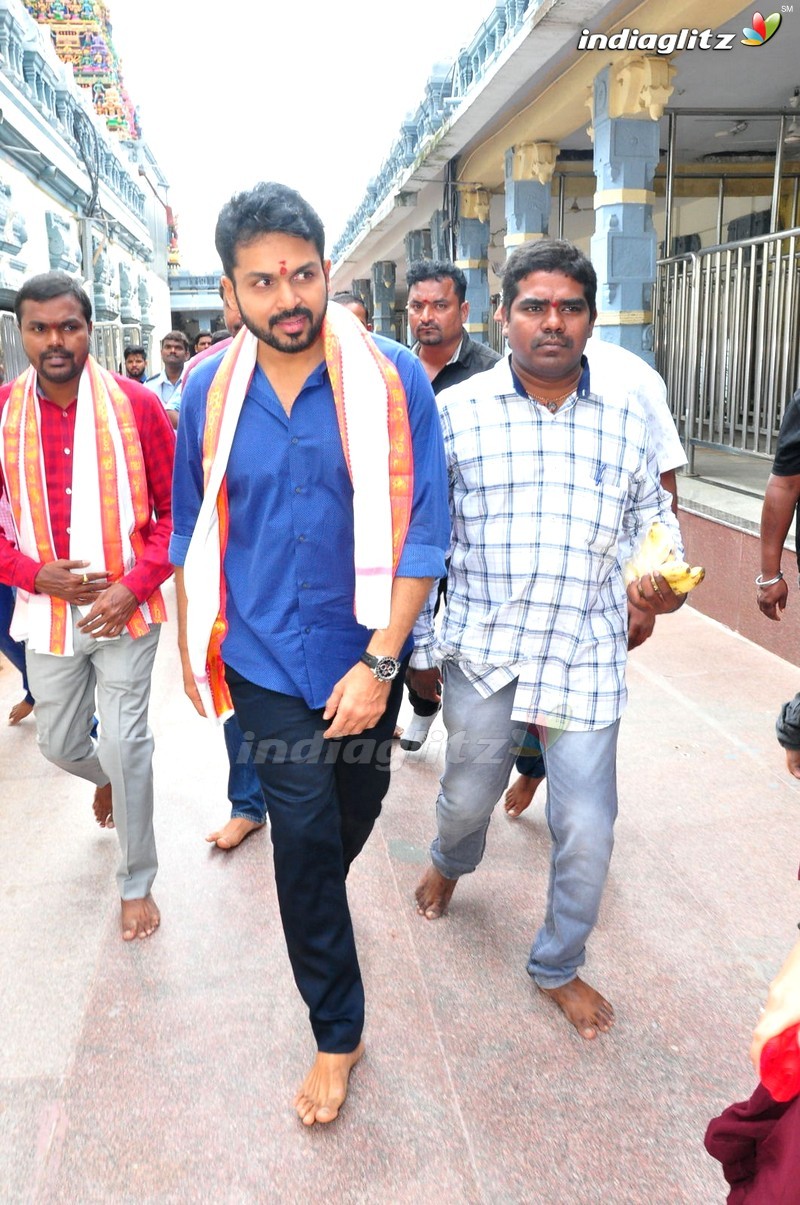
(433, 894)
(140, 918)
(19, 712)
(325, 1087)
(519, 795)
(585, 1008)
(234, 832)
(102, 807)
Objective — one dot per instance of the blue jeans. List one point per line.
(13, 649)
(581, 810)
(244, 789)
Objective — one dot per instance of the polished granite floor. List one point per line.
(163, 1071)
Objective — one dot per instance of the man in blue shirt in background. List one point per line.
(318, 690)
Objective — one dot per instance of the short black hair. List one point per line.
(200, 335)
(268, 208)
(347, 298)
(175, 337)
(49, 285)
(549, 255)
(135, 349)
(438, 269)
(219, 335)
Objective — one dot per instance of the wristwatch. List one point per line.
(385, 669)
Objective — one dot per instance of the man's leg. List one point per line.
(425, 711)
(248, 811)
(530, 767)
(64, 691)
(123, 669)
(14, 650)
(296, 770)
(581, 810)
(478, 761)
(362, 773)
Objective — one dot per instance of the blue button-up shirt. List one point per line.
(289, 570)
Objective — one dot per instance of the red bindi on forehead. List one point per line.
(283, 267)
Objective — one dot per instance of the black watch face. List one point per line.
(386, 669)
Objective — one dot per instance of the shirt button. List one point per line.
(301, 539)
(298, 489)
(68, 490)
(305, 586)
(69, 531)
(307, 630)
(295, 440)
(66, 451)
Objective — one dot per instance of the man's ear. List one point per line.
(230, 294)
(326, 268)
(464, 311)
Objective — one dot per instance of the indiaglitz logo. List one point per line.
(762, 30)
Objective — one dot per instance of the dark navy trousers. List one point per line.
(323, 798)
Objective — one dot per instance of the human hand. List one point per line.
(110, 613)
(426, 682)
(652, 593)
(357, 701)
(640, 626)
(81, 589)
(190, 686)
(772, 599)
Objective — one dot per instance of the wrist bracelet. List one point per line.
(772, 581)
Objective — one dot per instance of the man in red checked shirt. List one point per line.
(86, 463)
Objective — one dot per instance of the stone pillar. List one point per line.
(628, 100)
(529, 174)
(418, 245)
(383, 292)
(472, 256)
(439, 247)
(363, 289)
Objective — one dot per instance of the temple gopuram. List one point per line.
(80, 189)
(81, 31)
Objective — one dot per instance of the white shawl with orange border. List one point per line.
(373, 423)
(109, 501)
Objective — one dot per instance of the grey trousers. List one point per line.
(64, 688)
(482, 743)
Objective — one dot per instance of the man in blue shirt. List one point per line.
(315, 690)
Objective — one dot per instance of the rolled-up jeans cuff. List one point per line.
(550, 984)
(239, 813)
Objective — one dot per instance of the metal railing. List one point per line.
(727, 341)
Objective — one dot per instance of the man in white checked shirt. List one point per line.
(551, 479)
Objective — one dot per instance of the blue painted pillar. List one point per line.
(417, 245)
(627, 103)
(384, 274)
(528, 185)
(472, 256)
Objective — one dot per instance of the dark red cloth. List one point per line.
(758, 1144)
(158, 448)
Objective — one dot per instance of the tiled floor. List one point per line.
(163, 1072)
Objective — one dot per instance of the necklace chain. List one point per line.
(552, 403)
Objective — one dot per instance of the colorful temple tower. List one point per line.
(81, 32)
